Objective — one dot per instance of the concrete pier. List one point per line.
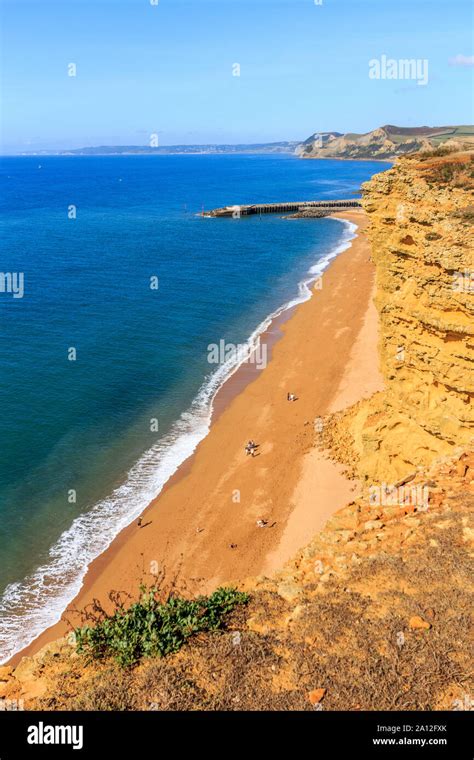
(281, 208)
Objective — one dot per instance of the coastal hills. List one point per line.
(385, 143)
(165, 150)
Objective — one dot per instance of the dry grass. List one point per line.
(457, 171)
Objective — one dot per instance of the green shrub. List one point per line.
(150, 628)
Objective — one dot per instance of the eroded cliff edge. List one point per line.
(421, 214)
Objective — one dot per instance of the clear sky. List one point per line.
(168, 69)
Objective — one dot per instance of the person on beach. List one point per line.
(250, 448)
(291, 397)
(139, 522)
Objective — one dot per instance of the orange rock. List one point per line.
(417, 622)
(316, 696)
(5, 672)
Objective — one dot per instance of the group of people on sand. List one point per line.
(251, 447)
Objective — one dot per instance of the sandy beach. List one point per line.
(203, 526)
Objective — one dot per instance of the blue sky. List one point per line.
(167, 69)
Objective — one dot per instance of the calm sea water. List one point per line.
(82, 429)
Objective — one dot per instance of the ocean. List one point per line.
(105, 382)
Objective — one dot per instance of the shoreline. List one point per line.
(176, 533)
(167, 457)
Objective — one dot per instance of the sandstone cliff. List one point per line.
(385, 143)
(421, 232)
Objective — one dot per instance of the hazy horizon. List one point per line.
(164, 147)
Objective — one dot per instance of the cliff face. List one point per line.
(384, 143)
(421, 214)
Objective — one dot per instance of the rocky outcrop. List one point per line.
(385, 143)
(420, 214)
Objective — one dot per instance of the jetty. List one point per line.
(282, 208)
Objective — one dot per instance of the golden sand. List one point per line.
(204, 523)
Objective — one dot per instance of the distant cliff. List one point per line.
(385, 143)
(164, 150)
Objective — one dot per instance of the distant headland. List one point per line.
(384, 144)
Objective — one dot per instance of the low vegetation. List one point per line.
(387, 628)
(465, 214)
(439, 152)
(458, 172)
(151, 628)
(351, 638)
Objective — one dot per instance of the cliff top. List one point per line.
(385, 143)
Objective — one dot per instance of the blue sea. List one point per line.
(104, 380)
